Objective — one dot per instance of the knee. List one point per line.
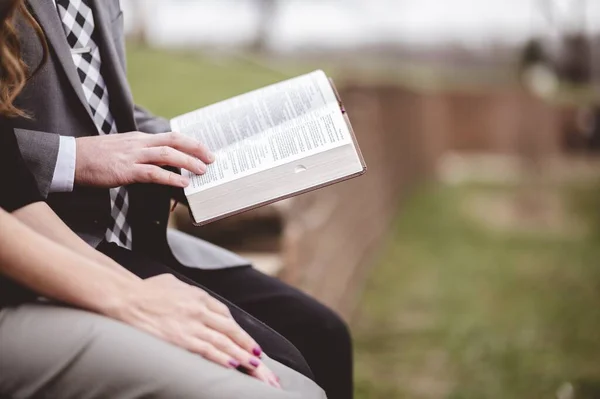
(335, 327)
(321, 320)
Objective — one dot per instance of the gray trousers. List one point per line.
(50, 351)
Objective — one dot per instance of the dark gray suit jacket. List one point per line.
(56, 100)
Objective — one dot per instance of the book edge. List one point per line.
(348, 123)
(277, 199)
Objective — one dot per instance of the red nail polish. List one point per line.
(257, 351)
(254, 362)
(234, 363)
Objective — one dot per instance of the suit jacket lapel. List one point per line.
(114, 72)
(47, 16)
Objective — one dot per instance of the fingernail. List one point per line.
(234, 363)
(255, 362)
(184, 181)
(211, 157)
(257, 351)
(201, 167)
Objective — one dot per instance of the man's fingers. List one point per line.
(157, 175)
(231, 329)
(184, 144)
(168, 156)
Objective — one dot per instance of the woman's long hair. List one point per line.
(14, 73)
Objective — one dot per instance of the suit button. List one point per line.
(96, 221)
(157, 222)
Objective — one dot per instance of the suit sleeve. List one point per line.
(148, 123)
(19, 187)
(40, 154)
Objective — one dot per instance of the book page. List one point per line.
(227, 122)
(265, 128)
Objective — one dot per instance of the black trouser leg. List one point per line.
(320, 335)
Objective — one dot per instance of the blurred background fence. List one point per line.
(466, 259)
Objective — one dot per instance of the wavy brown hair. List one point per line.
(14, 73)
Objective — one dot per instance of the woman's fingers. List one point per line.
(214, 347)
(209, 352)
(168, 156)
(230, 328)
(218, 317)
(226, 345)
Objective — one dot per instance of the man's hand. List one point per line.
(115, 160)
(190, 318)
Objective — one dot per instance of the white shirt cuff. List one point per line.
(64, 172)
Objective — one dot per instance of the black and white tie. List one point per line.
(78, 23)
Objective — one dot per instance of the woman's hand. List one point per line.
(190, 318)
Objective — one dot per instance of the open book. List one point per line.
(272, 143)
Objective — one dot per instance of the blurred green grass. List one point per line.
(452, 310)
(170, 83)
(457, 310)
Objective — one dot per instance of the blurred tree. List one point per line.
(594, 140)
(576, 66)
(569, 19)
(266, 11)
(139, 31)
(533, 53)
